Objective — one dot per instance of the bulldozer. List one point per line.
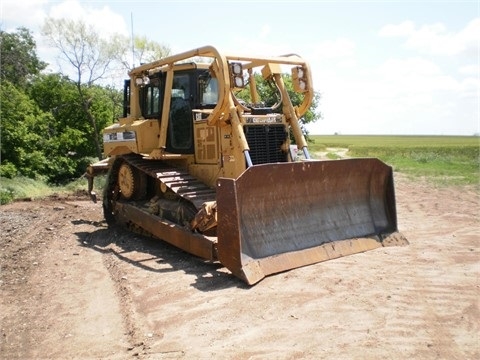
(221, 178)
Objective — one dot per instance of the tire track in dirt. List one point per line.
(123, 292)
(439, 260)
(24, 241)
(114, 258)
(61, 308)
(427, 325)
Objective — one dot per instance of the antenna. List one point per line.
(133, 41)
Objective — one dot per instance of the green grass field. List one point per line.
(449, 160)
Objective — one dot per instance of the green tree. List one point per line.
(58, 95)
(43, 133)
(19, 60)
(24, 135)
(145, 51)
(269, 95)
(92, 59)
(44, 128)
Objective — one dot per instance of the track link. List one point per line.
(178, 180)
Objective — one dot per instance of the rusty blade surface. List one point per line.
(276, 217)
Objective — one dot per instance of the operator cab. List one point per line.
(191, 89)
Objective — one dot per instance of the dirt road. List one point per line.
(73, 289)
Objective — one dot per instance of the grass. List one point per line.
(25, 188)
(447, 160)
(22, 187)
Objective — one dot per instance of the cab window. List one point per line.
(208, 90)
(151, 99)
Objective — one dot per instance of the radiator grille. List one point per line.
(265, 143)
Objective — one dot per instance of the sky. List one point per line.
(381, 67)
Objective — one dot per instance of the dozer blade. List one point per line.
(276, 217)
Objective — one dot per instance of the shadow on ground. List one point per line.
(120, 242)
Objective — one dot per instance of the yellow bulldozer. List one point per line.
(218, 177)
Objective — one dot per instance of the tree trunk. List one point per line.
(86, 107)
(91, 118)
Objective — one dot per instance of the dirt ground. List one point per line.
(73, 289)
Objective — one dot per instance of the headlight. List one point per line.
(300, 72)
(236, 74)
(299, 77)
(239, 81)
(237, 68)
(142, 81)
(302, 85)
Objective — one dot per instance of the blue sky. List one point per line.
(381, 67)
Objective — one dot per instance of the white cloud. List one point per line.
(403, 29)
(332, 49)
(415, 75)
(473, 70)
(104, 20)
(400, 96)
(13, 13)
(470, 88)
(410, 67)
(265, 31)
(435, 39)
